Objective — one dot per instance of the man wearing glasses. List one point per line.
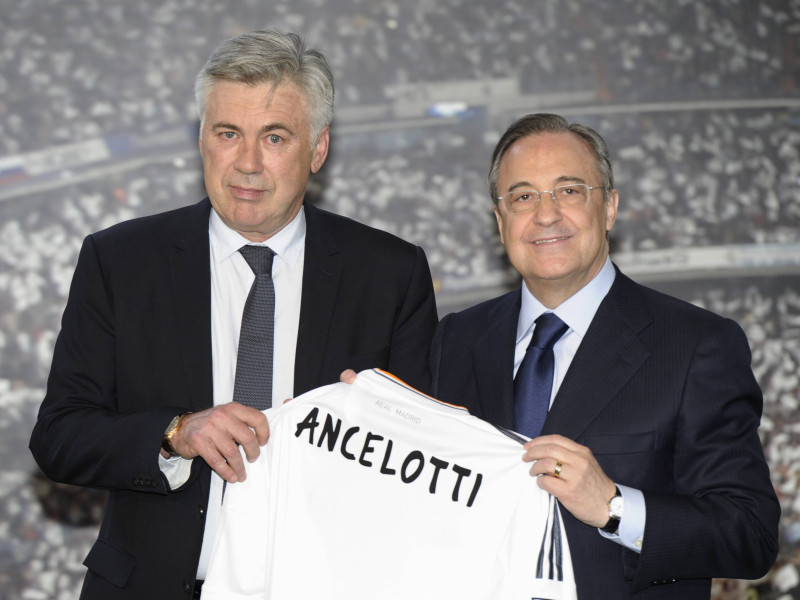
(643, 409)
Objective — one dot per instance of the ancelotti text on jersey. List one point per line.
(411, 468)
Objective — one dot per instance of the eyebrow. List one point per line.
(265, 129)
(562, 179)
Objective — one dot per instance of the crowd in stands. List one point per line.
(90, 67)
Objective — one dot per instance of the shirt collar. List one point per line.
(577, 311)
(287, 244)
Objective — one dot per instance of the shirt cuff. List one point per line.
(175, 469)
(631, 526)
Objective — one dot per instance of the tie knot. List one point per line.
(549, 329)
(259, 258)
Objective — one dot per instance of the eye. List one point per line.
(228, 135)
(274, 138)
(523, 196)
(572, 194)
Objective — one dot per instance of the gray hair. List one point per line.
(549, 123)
(259, 57)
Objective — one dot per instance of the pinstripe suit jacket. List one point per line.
(662, 393)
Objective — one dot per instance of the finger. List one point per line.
(348, 376)
(240, 418)
(233, 456)
(549, 467)
(257, 422)
(251, 432)
(218, 463)
(553, 486)
(552, 440)
(555, 446)
(262, 432)
(544, 451)
(249, 444)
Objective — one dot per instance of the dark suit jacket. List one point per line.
(663, 394)
(135, 350)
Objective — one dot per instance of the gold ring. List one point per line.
(557, 471)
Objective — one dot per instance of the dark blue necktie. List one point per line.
(253, 383)
(533, 384)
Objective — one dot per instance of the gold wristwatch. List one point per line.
(173, 428)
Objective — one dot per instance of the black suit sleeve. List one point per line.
(82, 435)
(721, 519)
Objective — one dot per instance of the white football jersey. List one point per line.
(374, 491)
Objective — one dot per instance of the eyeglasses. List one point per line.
(571, 194)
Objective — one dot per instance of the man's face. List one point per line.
(257, 155)
(556, 249)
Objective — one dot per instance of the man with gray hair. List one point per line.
(181, 327)
(642, 409)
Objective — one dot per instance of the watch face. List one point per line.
(615, 507)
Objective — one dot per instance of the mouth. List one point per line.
(246, 193)
(550, 240)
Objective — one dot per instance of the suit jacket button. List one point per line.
(186, 587)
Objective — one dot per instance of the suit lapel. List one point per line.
(607, 358)
(191, 278)
(321, 269)
(494, 361)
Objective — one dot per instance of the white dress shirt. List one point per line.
(231, 279)
(577, 312)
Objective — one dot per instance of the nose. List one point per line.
(249, 160)
(547, 210)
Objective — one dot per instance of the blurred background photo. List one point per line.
(699, 102)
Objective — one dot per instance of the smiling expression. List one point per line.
(557, 250)
(257, 155)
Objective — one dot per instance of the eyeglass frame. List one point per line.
(533, 206)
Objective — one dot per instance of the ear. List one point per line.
(612, 203)
(321, 149)
(499, 218)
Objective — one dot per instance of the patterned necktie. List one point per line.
(253, 383)
(533, 384)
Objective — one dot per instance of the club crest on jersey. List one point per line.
(364, 448)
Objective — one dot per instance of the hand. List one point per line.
(348, 376)
(582, 487)
(213, 435)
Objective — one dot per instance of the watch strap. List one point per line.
(612, 525)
